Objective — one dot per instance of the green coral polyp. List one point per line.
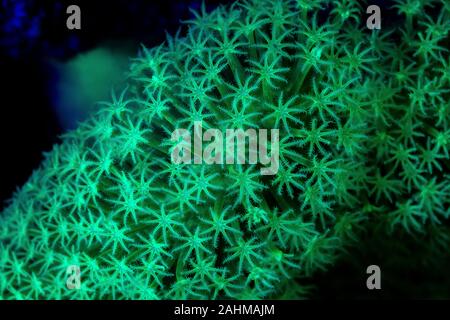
(364, 136)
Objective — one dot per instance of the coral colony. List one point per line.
(364, 132)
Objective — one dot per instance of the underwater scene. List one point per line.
(225, 150)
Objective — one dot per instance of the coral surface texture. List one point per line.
(364, 135)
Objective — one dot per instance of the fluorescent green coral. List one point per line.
(364, 128)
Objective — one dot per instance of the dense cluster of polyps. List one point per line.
(364, 136)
